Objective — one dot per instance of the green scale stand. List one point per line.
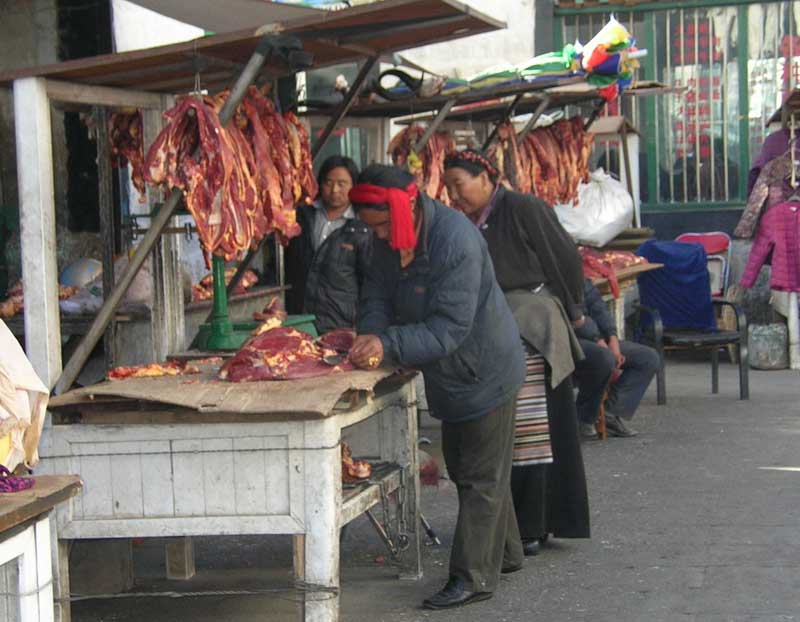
(221, 333)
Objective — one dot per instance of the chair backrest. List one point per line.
(681, 290)
(717, 245)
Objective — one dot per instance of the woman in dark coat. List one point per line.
(539, 269)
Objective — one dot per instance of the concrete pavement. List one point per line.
(697, 519)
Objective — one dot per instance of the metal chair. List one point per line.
(717, 245)
(677, 303)
(665, 339)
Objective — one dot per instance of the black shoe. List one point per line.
(452, 595)
(531, 547)
(617, 427)
(511, 568)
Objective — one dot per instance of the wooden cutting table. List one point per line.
(191, 456)
(626, 279)
(25, 538)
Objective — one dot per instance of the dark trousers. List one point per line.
(478, 458)
(552, 498)
(593, 373)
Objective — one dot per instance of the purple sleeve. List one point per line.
(762, 246)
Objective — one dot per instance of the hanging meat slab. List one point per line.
(427, 166)
(127, 146)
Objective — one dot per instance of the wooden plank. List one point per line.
(37, 220)
(293, 399)
(157, 495)
(49, 491)
(126, 485)
(105, 200)
(218, 476)
(180, 526)
(96, 496)
(180, 558)
(74, 93)
(189, 479)
(44, 570)
(249, 466)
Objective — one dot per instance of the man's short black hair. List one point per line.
(337, 161)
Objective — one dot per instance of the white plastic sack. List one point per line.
(604, 210)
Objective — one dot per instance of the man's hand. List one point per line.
(602, 343)
(613, 345)
(579, 322)
(367, 352)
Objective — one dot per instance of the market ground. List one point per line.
(695, 520)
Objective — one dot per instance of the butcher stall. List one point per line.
(175, 450)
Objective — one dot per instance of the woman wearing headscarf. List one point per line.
(539, 269)
(430, 301)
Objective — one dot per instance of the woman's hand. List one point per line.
(367, 352)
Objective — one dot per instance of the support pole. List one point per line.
(794, 332)
(433, 126)
(341, 111)
(37, 219)
(601, 103)
(508, 114)
(543, 105)
(157, 225)
(105, 200)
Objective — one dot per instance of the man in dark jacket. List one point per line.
(325, 264)
(430, 301)
(628, 366)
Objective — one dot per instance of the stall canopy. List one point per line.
(332, 37)
(492, 105)
(228, 16)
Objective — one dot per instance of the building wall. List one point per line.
(471, 55)
(28, 37)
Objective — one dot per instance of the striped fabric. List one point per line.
(531, 431)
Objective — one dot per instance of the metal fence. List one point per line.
(736, 62)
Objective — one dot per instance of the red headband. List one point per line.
(404, 236)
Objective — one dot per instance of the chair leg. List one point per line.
(600, 425)
(715, 371)
(661, 380)
(744, 372)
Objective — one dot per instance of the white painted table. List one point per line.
(171, 472)
(25, 539)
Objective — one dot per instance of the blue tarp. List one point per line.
(681, 290)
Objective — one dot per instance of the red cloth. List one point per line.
(401, 217)
(778, 234)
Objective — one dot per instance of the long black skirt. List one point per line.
(552, 498)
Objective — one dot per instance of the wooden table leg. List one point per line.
(323, 499)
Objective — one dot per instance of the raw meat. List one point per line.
(340, 340)
(428, 166)
(353, 470)
(127, 146)
(281, 353)
(153, 370)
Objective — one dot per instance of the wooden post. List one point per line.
(180, 558)
(37, 227)
(794, 332)
(167, 320)
(105, 199)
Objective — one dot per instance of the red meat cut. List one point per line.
(281, 353)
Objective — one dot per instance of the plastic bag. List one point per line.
(605, 209)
